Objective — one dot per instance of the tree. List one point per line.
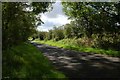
(18, 22)
(49, 35)
(58, 33)
(42, 35)
(67, 31)
(79, 12)
(101, 19)
(92, 17)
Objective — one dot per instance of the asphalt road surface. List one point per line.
(81, 65)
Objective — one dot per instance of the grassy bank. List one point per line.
(26, 61)
(68, 45)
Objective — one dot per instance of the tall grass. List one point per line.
(72, 45)
(26, 61)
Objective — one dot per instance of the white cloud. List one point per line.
(44, 28)
(54, 18)
(61, 19)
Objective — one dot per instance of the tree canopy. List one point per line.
(94, 17)
(19, 20)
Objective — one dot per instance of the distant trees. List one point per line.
(67, 31)
(19, 21)
(58, 33)
(42, 35)
(61, 32)
(72, 30)
(55, 34)
(98, 22)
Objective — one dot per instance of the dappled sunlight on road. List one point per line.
(81, 65)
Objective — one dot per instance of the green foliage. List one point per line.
(55, 34)
(70, 44)
(68, 31)
(92, 24)
(49, 35)
(99, 19)
(94, 18)
(26, 61)
(18, 22)
(58, 33)
(73, 30)
(108, 41)
(42, 35)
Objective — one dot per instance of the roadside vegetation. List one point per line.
(26, 61)
(94, 27)
(19, 58)
(71, 44)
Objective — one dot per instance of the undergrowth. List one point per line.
(26, 61)
(72, 45)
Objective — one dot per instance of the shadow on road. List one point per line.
(81, 65)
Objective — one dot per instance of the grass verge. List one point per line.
(70, 46)
(26, 61)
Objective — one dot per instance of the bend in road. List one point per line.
(81, 65)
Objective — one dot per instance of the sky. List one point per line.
(56, 17)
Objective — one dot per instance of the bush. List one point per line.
(107, 43)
